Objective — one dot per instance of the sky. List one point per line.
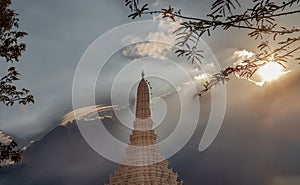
(259, 132)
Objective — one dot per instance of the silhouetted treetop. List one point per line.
(11, 49)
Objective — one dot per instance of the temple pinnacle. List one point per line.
(143, 73)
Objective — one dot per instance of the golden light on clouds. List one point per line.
(243, 54)
(89, 113)
(270, 71)
(200, 77)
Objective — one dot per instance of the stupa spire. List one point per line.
(143, 99)
(143, 163)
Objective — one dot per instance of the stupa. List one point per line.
(143, 163)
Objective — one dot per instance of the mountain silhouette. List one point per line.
(61, 157)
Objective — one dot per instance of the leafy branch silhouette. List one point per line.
(260, 20)
(11, 50)
(9, 153)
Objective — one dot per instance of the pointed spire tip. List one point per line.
(143, 73)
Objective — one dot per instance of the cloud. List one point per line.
(157, 44)
(131, 39)
(89, 113)
(241, 55)
(258, 141)
(4, 139)
(265, 73)
(258, 144)
(285, 180)
(156, 3)
(153, 49)
(200, 77)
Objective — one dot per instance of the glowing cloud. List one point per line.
(200, 77)
(89, 113)
(4, 139)
(270, 71)
(241, 55)
(155, 46)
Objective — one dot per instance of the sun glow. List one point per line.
(270, 71)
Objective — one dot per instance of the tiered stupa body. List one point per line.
(143, 163)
